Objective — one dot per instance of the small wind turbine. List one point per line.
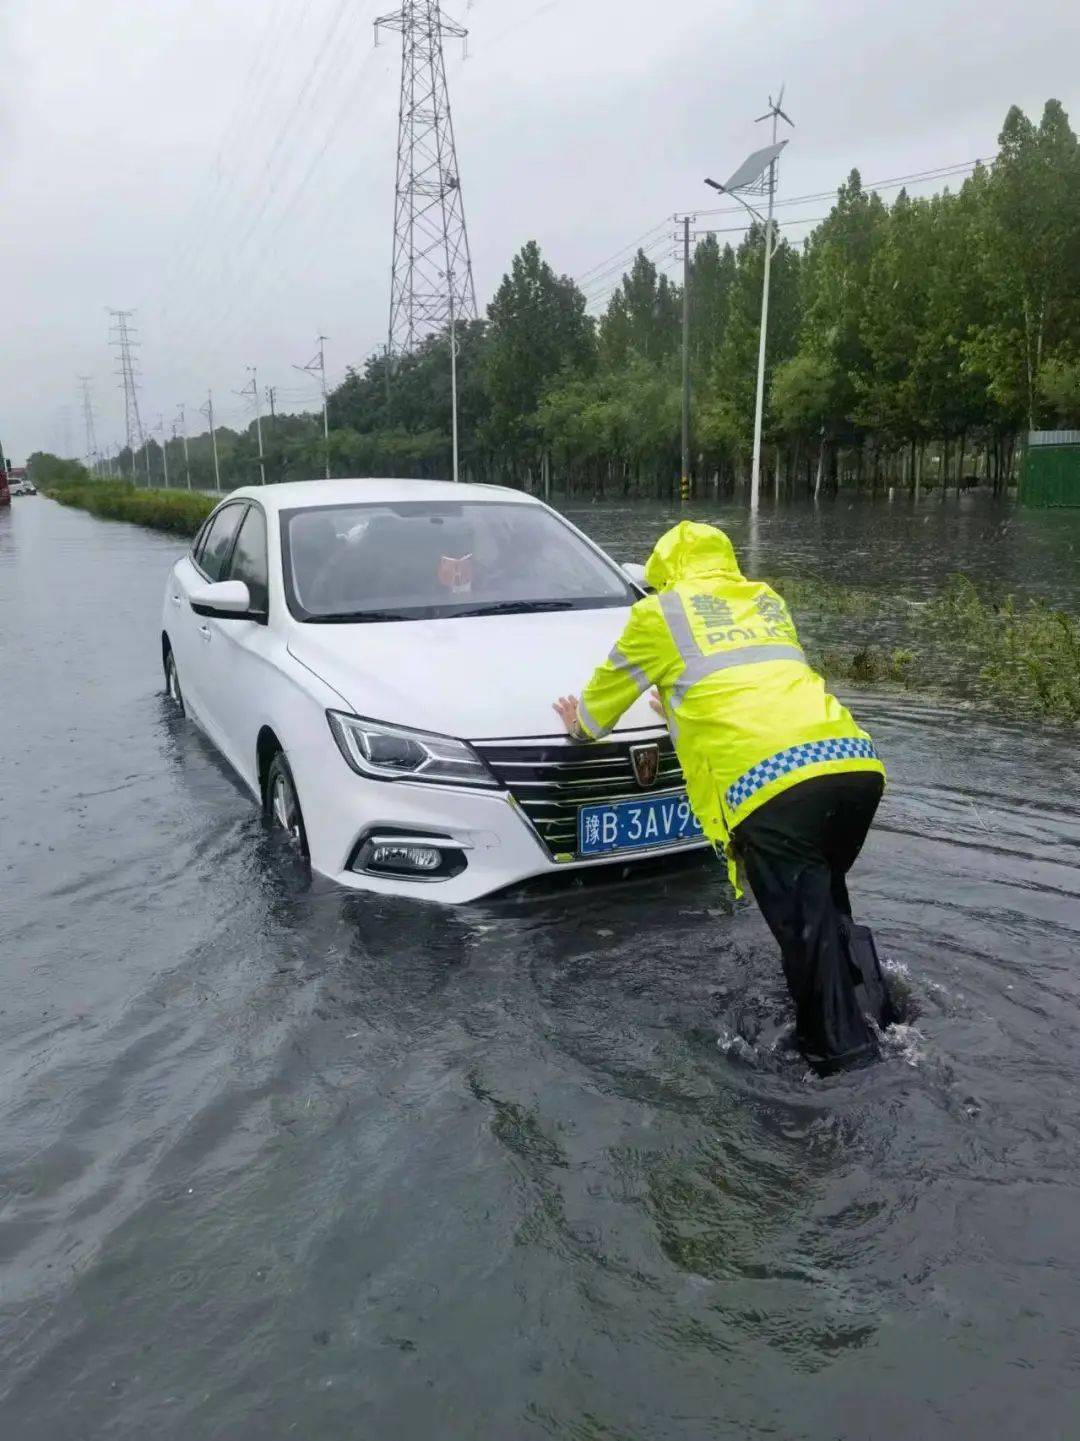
(775, 109)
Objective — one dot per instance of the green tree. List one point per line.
(537, 326)
(712, 273)
(835, 281)
(643, 318)
(45, 469)
(733, 383)
(1031, 250)
(1059, 389)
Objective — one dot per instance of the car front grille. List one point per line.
(550, 779)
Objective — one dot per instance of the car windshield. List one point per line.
(415, 560)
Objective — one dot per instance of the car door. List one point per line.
(193, 638)
(240, 650)
(180, 621)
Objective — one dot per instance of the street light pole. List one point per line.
(748, 177)
(759, 401)
(684, 480)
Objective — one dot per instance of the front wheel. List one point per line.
(172, 682)
(281, 804)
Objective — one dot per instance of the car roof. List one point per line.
(302, 494)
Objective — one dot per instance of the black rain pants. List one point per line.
(797, 850)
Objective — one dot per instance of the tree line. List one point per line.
(909, 344)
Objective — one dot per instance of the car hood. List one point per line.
(474, 677)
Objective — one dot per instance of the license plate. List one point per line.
(636, 825)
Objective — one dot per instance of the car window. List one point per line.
(214, 555)
(199, 542)
(249, 557)
(426, 560)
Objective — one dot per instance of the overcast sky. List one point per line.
(227, 166)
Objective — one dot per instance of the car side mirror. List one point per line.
(226, 599)
(636, 573)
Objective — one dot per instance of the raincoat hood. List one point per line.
(691, 550)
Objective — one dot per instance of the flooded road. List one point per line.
(280, 1162)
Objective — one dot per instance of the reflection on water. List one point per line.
(893, 546)
(279, 1161)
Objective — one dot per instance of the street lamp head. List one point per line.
(715, 184)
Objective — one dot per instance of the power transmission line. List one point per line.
(242, 296)
(894, 182)
(431, 275)
(622, 250)
(226, 202)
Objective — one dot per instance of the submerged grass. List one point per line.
(1027, 654)
(179, 511)
(826, 598)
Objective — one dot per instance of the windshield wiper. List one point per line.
(518, 607)
(359, 617)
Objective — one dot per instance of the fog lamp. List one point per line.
(406, 858)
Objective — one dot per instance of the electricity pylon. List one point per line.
(122, 340)
(432, 279)
(317, 366)
(88, 421)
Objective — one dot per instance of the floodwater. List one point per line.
(278, 1162)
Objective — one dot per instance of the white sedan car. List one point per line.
(378, 659)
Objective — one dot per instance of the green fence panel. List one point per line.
(1050, 475)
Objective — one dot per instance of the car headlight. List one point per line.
(396, 753)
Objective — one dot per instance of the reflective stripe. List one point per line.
(705, 665)
(636, 674)
(585, 720)
(678, 624)
(810, 753)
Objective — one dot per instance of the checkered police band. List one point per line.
(794, 758)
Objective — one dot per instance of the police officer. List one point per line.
(778, 773)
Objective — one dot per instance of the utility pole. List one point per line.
(183, 432)
(271, 396)
(453, 375)
(430, 240)
(751, 178)
(684, 480)
(208, 411)
(88, 420)
(252, 389)
(164, 449)
(317, 366)
(122, 340)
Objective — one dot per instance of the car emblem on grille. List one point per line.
(646, 762)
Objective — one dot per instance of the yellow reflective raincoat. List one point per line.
(748, 716)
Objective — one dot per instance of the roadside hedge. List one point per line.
(178, 511)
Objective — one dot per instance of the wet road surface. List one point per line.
(282, 1162)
